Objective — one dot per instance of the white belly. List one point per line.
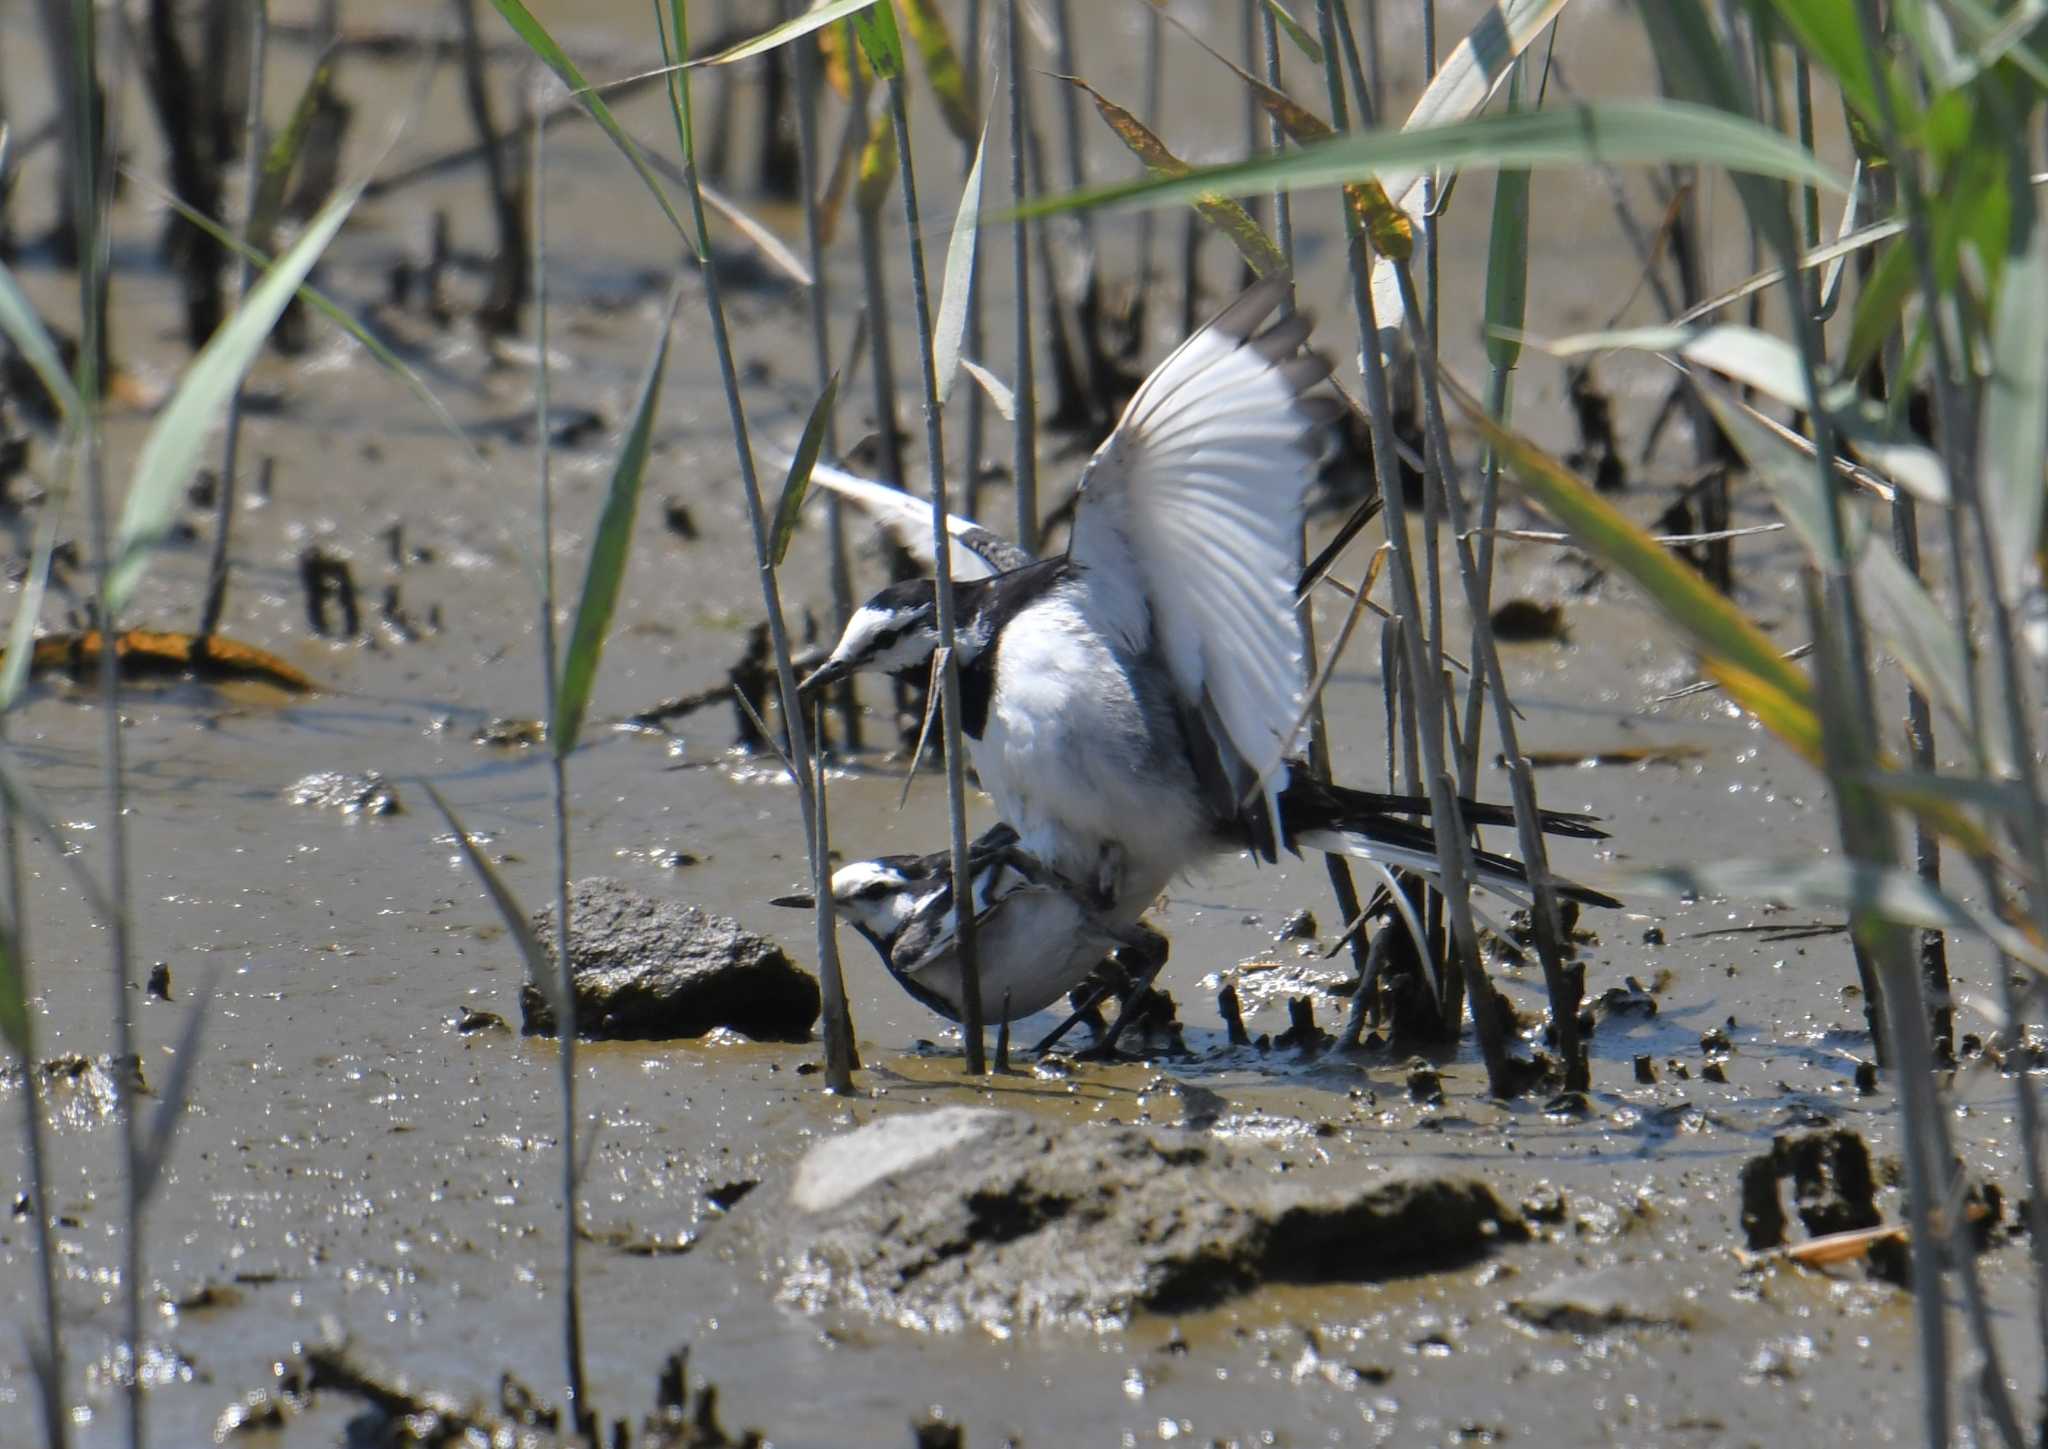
(1071, 761)
(1033, 948)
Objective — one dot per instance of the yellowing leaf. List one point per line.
(877, 166)
(1219, 211)
(942, 67)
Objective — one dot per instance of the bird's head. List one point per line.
(896, 630)
(873, 896)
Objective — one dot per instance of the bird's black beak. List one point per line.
(830, 672)
(802, 901)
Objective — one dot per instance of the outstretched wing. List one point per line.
(1189, 530)
(977, 552)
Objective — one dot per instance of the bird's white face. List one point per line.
(874, 895)
(886, 638)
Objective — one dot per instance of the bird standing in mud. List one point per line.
(1036, 937)
(1131, 704)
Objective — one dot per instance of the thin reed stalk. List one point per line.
(875, 282)
(230, 448)
(839, 1057)
(1024, 449)
(1969, 523)
(845, 697)
(1546, 924)
(1343, 888)
(95, 151)
(1425, 682)
(973, 438)
(949, 678)
(582, 1413)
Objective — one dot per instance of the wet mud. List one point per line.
(369, 1174)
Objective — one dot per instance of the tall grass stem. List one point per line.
(949, 685)
(838, 1018)
(582, 1412)
(252, 175)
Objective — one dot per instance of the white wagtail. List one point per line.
(1130, 704)
(1036, 937)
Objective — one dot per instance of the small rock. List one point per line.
(1646, 1070)
(648, 970)
(1714, 1072)
(967, 1215)
(1301, 926)
(474, 1019)
(160, 981)
(1425, 1086)
(366, 794)
(1714, 1040)
(1866, 1078)
(1654, 936)
(1632, 999)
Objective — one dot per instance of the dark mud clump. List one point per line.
(649, 970)
(1833, 1187)
(397, 1415)
(973, 1216)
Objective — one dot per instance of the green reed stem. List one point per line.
(839, 1054)
(583, 1414)
(845, 698)
(1024, 453)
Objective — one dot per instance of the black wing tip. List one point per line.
(1586, 895)
(1240, 320)
(1571, 824)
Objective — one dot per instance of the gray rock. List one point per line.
(967, 1216)
(649, 970)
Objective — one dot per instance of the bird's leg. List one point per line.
(1109, 875)
(1147, 952)
(1135, 960)
(1087, 1002)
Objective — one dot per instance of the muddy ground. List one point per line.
(358, 1167)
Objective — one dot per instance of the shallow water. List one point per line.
(356, 1165)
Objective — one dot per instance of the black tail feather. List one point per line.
(1311, 804)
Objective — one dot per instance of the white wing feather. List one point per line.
(976, 553)
(1190, 524)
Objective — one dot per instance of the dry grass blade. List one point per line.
(942, 69)
(1714, 624)
(814, 19)
(950, 327)
(1250, 239)
(1000, 397)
